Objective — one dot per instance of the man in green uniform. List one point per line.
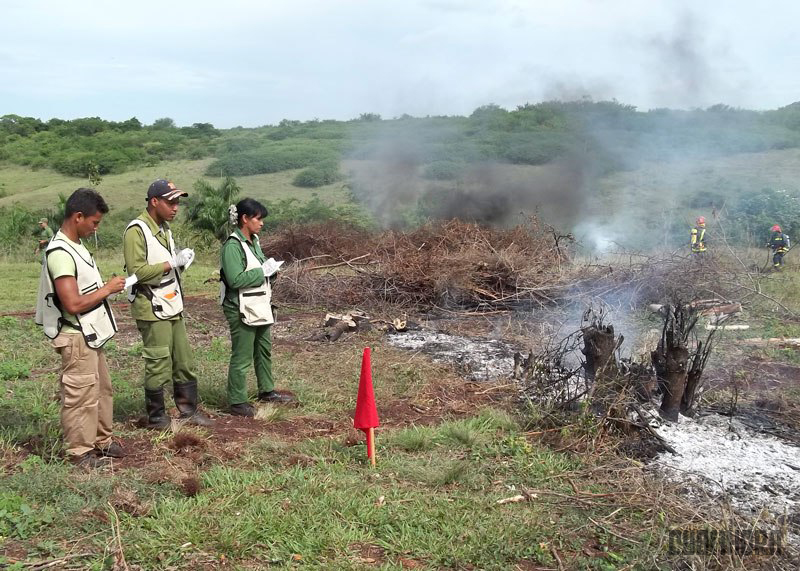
(43, 236)
(157, 305)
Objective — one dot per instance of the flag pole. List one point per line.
(371, 446)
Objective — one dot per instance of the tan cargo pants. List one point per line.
(85, 388)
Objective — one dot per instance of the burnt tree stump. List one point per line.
(599, 345)
(697, 363)
(671, 359)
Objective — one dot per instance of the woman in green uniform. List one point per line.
(246, 302)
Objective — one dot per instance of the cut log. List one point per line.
(738, 327)
(774, 342)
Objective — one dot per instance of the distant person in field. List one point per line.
(157, 306)
(779, 242)
(698, 236)
(73, 308)
(246, 299)
(43, 236)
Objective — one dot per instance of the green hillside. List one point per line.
(601, 169)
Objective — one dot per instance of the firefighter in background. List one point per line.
(779, 242)
(699, 236)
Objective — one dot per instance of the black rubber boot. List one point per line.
(185, 395)
(156, 413)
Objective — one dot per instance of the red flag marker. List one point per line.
(366, 416)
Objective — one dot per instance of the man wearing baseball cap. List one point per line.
(43, 236)
(157, 306)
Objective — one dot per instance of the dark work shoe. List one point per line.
(243, 409)
(113, 450)
(277, 398)
(89, 460)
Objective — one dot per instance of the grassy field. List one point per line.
(39, 189)
(293, 488)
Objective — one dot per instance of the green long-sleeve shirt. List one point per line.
(233, 264)
(134, 249)
(45, 234)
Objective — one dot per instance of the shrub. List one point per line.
(16, 223)
(318, 175)
(208, 206)
(274, 158)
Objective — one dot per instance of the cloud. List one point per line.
(307, 58)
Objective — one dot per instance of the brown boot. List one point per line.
(185, 395)
(89, 460)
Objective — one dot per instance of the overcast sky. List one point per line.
(251, 63)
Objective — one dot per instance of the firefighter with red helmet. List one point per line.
(779, 242)
(699, 236)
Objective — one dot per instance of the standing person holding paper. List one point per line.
(157, 306)
(72, 307)
(246, 297)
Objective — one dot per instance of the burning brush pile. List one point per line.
(451, 264)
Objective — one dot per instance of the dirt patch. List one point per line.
(368, 554)
(222, 442)
(11, 457)
(14, 550)
(179, 457)
(755, 373)
(126, 500)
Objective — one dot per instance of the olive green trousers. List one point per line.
(249, 345)
(166, 352)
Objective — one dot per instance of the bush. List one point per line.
(208, 206)
(273, 158)
(16, 225)
(291, 211)
(318, 175)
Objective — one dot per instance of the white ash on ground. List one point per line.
(475, 359)
(728, 459)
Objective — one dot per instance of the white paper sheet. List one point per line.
(271, 267)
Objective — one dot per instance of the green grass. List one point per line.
(432, 507)
(39, 189)
(21, 279)
(431, 501)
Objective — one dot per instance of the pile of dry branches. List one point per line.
(633, 279)
(450, 264)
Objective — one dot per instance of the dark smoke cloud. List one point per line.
(491, 193)
(498, 194)
(681, 73)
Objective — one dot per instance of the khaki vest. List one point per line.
(255, 303)
(166, 297)
(96, 324)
